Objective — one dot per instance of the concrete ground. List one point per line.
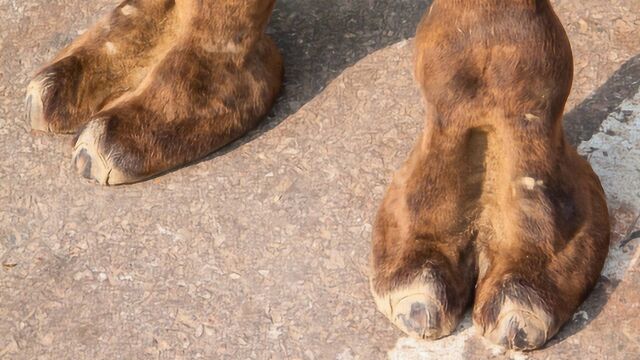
(260, 251)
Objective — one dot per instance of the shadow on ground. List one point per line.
(320, 39)
(581, 123)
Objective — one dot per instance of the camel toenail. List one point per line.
(83, 164)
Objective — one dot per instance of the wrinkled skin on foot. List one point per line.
(492, 197)
(158, 84)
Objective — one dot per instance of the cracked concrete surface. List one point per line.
(261, 250)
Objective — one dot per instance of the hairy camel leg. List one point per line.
(423, 256)
(548, 240)
(537, 208)
(218, 79)
(111, 58)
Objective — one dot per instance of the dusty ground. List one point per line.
(261, 250)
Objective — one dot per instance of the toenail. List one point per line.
(520, 339)
(83, 164)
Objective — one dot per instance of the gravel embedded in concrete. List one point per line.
(261, 250)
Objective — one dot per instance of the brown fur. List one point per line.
(492, 196)
(164, 85)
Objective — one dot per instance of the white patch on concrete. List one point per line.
(518, 356)
(495, 350)
(128, 10)
(448, 348)
(614, 154)
(275, 330)
(111, 48)
(345, 355)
